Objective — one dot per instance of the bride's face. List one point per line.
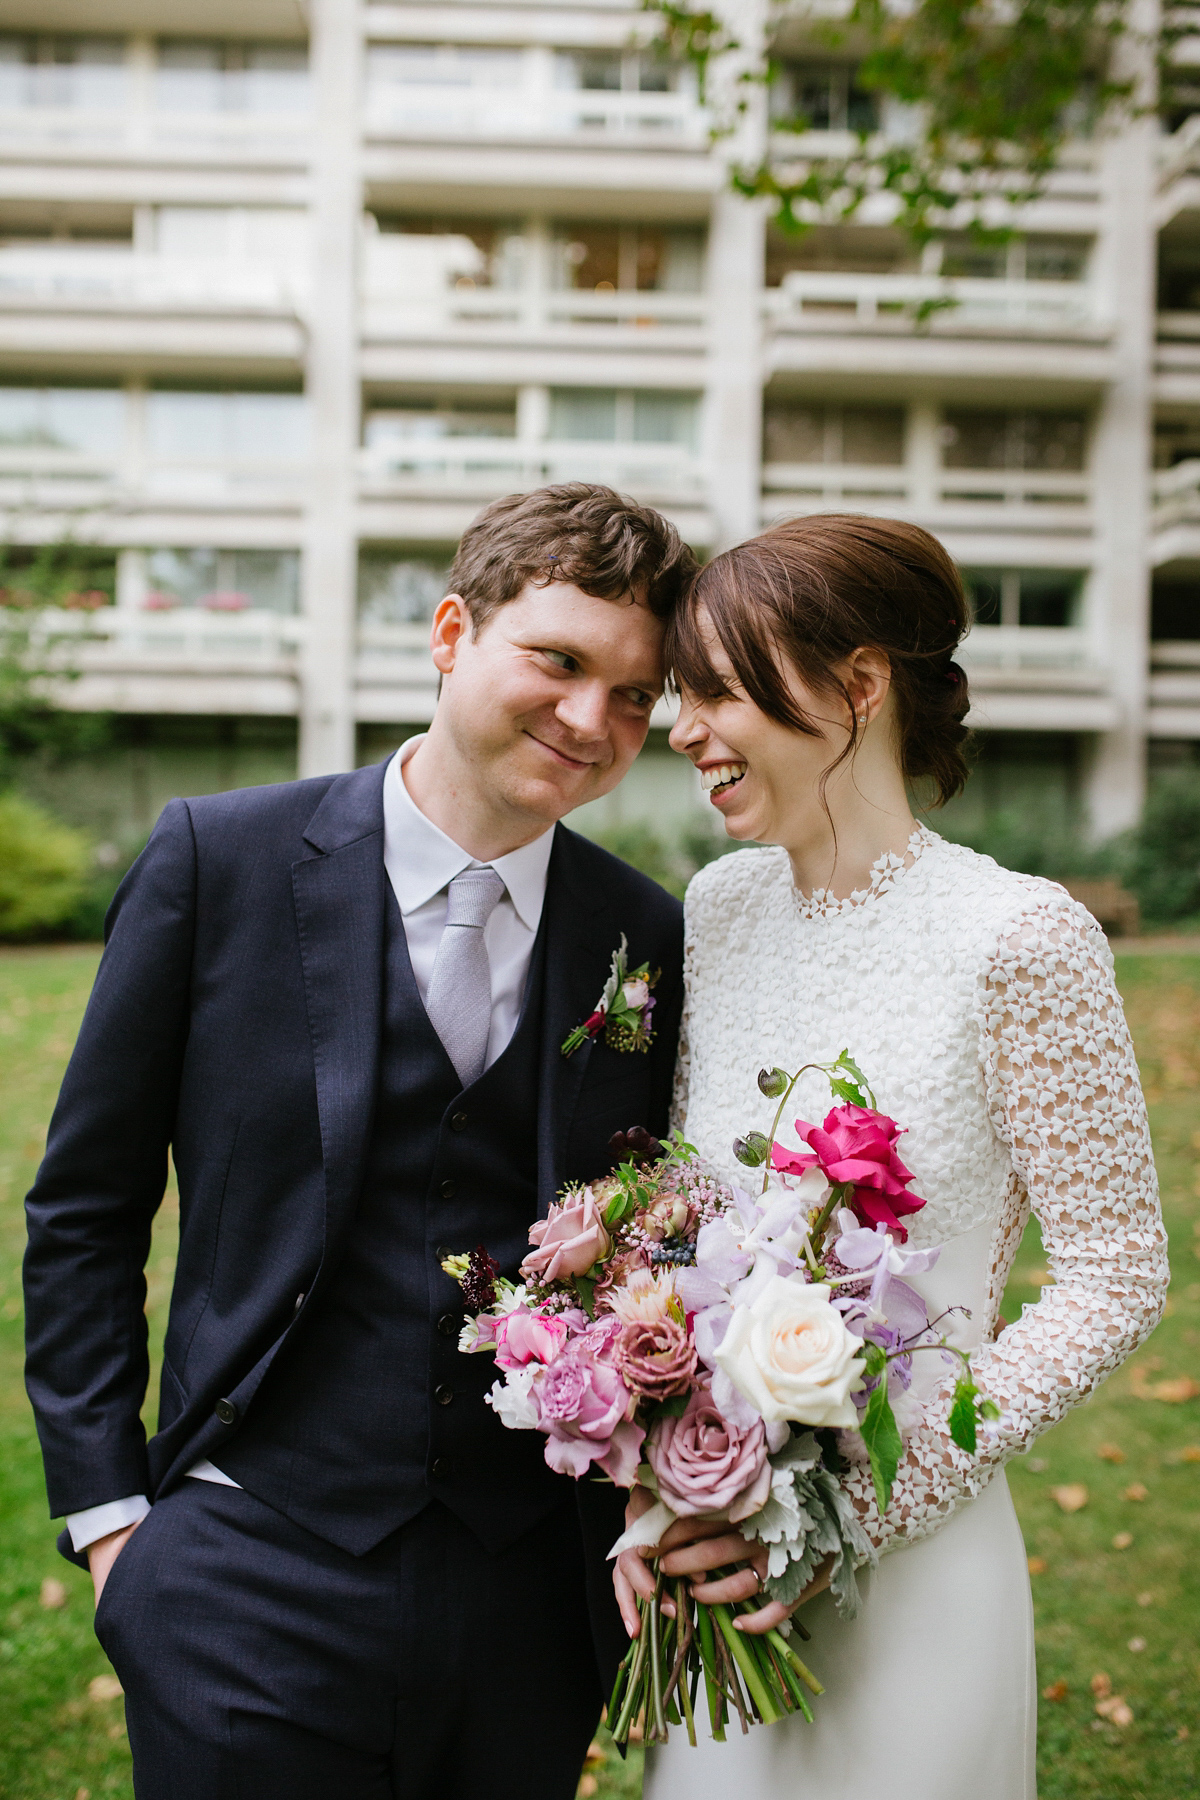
(761, 776)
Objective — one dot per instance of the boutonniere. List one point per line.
(623, 1009)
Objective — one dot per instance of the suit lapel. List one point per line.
(339, 895)
(580, 940)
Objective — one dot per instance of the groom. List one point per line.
(339, 1005)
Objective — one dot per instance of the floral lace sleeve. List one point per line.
(1063, 1095)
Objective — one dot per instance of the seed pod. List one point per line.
(752, 1150)
(773, 1082)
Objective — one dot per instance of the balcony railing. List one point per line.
(534, 113)
(1176, 494)
(153, 135)
(112, 280)
(819, 301)
(946, 498)
(481, 467)
(191, 636)
(1027, 649)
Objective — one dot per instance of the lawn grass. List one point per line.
(1092, 1600)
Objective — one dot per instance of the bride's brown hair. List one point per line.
(814, 590)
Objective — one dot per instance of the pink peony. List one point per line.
(523, 1337)
(707, 1466)
(656, 1358)
(585, 1409)
(569, 1241)
(856, 1147)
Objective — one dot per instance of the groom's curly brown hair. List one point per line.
(580, 532)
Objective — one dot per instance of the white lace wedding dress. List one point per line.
(981, 1007)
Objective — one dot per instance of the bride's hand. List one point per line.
(701, 1548)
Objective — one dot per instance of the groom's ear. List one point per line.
(451, 624)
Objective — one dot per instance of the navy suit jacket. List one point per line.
(236, 1024)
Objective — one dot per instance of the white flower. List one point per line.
(514, 1401)
(636, 994)
(645, 1298)
(790, 1354)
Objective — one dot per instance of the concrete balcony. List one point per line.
(1175, 515)
(60, 302)
(140, 137)
(1175, 690)
(1177, 359)
(1026, 678)
(535, 112)
(432, 489)
(906, 325)
(1003, 502)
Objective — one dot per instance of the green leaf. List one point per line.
(881, 1435)
(674, 1408)
(617, 1208)
(875, 1358)
(850, 1092)
(585, 1287)
(962, 1414)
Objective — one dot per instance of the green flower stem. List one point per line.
(837, 1194)
(791, 1682)
(712, 1686)
(747, 1665)
(656, 1674)
(628, 1712)
(622, 1676)
(780, 1643)
(683, 1614)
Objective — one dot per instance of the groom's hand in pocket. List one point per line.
(103, 1554)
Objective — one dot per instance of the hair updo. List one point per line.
(817, 589)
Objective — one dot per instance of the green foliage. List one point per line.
(74, 578)
(878, 1427)
(44, 868)
(671, 864)
(995, 93)
(1161, 859)
(1035, 845)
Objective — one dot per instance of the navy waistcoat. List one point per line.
(372, 1411)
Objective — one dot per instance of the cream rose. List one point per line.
(789, 1353)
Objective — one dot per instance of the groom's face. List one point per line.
(549, 702)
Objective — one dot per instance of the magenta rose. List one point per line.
(656, 1359)
(523, 1337)
(585, 1411)
(569, 1241)
(856, 1147)
(707, 1466)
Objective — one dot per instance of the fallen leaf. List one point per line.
(1122, 1540)
(1037, 1465)
(587, 1787)
(1115, 1709)
(53, 1594)
(104, 1687)
(1073, 1497)
(1137, 1645)
(1145, 1599)
(83, 1794)
(1190, 1453)
(1101, 1685)
(1058, 1690)
(1112, 1453)
(1037, 1565)
(116, 1731)
(1178, 1389)
(595, 1755)
(1182, 1735)
(1135, 1491)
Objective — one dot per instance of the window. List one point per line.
(614, 416)
(1175, 611)
(1049, 441)
(797, 433)
(240, 78)
(816, 96)
(416, 423)
(839, 249)
(191, 426)
(617, 72)
(629, 258)
(88, 73)
(224, 580)
(1016, 259)
(401, 587)
(90, 421)
(1029, 597)
(443, 65)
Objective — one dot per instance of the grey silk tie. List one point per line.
(460, 992)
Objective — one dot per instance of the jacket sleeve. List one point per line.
(102, 1180)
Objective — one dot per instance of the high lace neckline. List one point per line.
(886, 871)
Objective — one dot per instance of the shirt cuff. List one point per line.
(97, 1521)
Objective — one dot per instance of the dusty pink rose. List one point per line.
(656, 1358)
(707, 1466)
(671, 1214)
(523, 1337)
(585, 1410)
(857, 1147)
(636, 994)
(569, 1241)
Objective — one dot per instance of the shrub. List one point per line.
(1162, 857)
(44, 870)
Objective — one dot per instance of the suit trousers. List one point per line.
(261, 1663)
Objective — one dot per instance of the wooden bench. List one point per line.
(1113, 907)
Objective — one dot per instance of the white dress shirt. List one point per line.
(421, 861)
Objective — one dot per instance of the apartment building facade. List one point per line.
(288, 292)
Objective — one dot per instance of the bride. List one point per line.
(816, 670)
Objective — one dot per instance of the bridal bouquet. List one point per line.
(732, 1354)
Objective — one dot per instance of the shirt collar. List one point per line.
(421, 860)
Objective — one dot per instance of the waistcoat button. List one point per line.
(442, 1253)
(458, 1121)
(226, 1411)
(443, 1394)
(449, 1324)
(440, 1468)
(448, 1190)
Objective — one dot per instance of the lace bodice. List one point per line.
(981, 1005)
